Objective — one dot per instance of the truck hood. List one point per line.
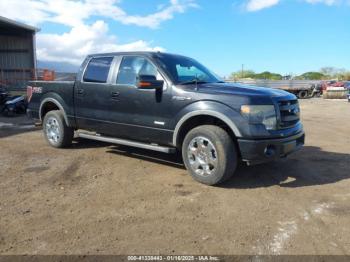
(237, 89)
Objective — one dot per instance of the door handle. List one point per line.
(80, 91)
(114, 94)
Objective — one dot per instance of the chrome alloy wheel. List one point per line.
(52, 130)
(202, 156)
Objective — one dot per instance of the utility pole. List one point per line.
(242, 71)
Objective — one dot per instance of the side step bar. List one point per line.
(127, 143)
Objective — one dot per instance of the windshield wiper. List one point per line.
(193, 81)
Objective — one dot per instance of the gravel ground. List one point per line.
(96, 198)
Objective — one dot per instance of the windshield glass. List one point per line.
(184, 70)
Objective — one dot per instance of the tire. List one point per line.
(302, 94)
(205, 165)
(8, 112)
(56, 131)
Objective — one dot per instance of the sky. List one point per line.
(283, 36)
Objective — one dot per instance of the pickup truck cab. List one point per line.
(169, 103)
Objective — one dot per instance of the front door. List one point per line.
(140, 114)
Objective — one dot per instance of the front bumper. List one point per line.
(260, 151)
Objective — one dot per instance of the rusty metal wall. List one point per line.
(17, 59)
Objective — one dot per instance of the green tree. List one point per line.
(312, 76)
(328, 71)
(323, 74)
(345, 76)
(268, 75)
(333, 72)
(243, 74)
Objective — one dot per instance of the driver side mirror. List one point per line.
(149, 82)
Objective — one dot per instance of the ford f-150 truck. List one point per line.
(169, 103)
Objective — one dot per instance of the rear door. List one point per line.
(93, 94)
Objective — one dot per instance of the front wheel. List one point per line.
(209, 154)
(56, 131)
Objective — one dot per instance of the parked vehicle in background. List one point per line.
(347, 85)
(14, 105)
(11, 105)
(169, 103)
(325, 84)
(337, 84)
(304, 92)
(3, 95)
(300, 88)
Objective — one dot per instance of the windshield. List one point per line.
(184, 70)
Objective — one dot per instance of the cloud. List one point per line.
(81, 40)
(73, 13)
(31, 12)
(256, 5)
(164, 14)
(86, 37)
(326, 2)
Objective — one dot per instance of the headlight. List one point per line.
(260, 114)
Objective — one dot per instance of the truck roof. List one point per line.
(146, 53)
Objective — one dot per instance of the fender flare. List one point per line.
(216, 114)
(58, 104)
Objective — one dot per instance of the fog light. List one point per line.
(270, 151)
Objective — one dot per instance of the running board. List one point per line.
(125, 142)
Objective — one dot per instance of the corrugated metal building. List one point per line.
(17, 53)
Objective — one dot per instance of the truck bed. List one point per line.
(62, 91)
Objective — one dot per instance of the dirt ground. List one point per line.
(96, 198)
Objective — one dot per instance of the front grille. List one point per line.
(289, 113)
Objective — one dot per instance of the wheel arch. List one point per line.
(202, 117)
(48, 104)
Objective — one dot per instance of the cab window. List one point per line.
(97, 70)
(133, 66)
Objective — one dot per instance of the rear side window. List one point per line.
(133, 66)
(98, 69)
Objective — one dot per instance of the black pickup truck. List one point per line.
(169, 103)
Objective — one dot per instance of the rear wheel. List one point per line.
(56, 131)
(209, 154)
(302, 94)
